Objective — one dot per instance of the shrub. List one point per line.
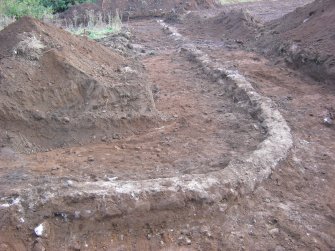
(20, 8)
(98, 25)
(61, 5)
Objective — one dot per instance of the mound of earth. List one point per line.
(135, 8)
(306, 38)
(57, 89)
(236, 24)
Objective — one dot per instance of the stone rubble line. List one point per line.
(117, 198)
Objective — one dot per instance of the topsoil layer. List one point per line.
(57, 89)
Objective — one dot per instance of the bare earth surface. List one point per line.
(202, 129)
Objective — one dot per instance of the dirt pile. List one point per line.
(306, 38)
(135, 8)
(57, 89)
(234, 25)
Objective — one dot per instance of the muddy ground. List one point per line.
(203, 129)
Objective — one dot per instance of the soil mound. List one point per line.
(57, 89)
(306, 38)
(236, 24)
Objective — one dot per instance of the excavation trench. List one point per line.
(219, 140)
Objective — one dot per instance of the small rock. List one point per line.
(188, 241)
(43, 230)
(90, 158)
(86, 213)
(116, 136)
(37, 115)
(182, 240)
(274, 231)
(328, 121)
(66, 119)
(104, 139)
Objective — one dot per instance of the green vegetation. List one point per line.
(20, 8)
(35, 8)
(61, 5)
(5, 21)
(98, 26)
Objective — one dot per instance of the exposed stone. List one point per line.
(42, 230)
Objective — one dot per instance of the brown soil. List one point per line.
(57, 90)
(306, 39)
(134, 8)
(236, 25)
(203, 129)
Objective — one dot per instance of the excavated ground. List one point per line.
(293, 210)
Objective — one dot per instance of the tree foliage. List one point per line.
(35, 8)
(19, 8)
(61, 5)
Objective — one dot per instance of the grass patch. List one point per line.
(98, 26)
(5, 21)
(93, 33)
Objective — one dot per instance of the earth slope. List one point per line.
(57, 89)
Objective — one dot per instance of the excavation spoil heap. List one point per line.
(57, 89)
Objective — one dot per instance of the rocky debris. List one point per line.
(121, 42)
(329, 116)
(90, 158)
(42, 230)
(328, 121)
(274, 232)
(184, 240)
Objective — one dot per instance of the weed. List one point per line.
(99, 25)
(5, 21)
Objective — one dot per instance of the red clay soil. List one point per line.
(306, 38)
(58, 89)
(292, 210)
(235, 24)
